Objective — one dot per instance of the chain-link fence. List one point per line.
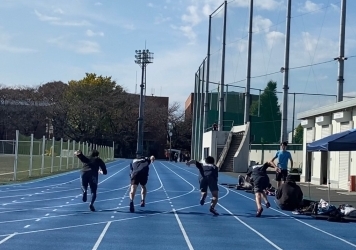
(26, 157)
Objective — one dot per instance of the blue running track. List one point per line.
(49, 214)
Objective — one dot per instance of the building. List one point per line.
(154, 138)
(322, 122)
(188, 107)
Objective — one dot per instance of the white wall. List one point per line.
(353, 153)
(267, 155)
(213, 140)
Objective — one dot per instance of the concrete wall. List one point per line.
(241, 157)
(213, 140)
(263, 155)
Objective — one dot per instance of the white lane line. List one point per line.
(243, 223)
(101, 236)
(183, 231)
(306, 224)
(7, 238)
(317, 229)
(115, 163)
(180, 224)
(251, 228)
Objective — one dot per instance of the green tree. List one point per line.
(268, 125)
(298, 136)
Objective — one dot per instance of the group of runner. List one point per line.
(208, 177)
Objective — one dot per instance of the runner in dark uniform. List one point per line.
(260, 179)
(139, 170)
(208, 177)
(92, 166)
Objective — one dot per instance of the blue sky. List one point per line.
(42, 41)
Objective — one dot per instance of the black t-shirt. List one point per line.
(258, 171)
(208, 170)
(140, 166)
(91, 165)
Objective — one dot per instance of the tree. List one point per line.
(87, 102)
(269, 125)
(298, 136)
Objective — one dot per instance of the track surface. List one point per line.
(49, 214)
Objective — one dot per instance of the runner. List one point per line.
(261, 182)
(92, 166)
(208, 177)
(139, 175)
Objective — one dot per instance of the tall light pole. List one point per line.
(143, 57)
(170, 128)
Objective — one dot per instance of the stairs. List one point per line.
(228, 165)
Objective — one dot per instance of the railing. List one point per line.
(26, 157)
(226, 148)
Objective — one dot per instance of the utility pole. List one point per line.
(143, 58)
(341, 58)
(285, 70)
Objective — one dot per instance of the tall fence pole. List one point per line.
(73, 154)
(68, 150)
(43, 153)
(31, 157)
(16, 155)
(60, 155)
(52, 154)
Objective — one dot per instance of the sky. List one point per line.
(43, 41)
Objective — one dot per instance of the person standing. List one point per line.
(283, 156)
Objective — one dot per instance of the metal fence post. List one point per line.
(73, 154)
(16, 155)
(60, 155)
(31, 157)
(68, 150)
(43, 153)
(52, 154)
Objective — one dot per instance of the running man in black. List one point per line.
(260, 179)
(92, 166)
(139, 170)
(208, 177)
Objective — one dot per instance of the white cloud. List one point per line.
(262, 4)
(160, 19)
(91, 33)
(7, 45)
(45, 18)
(309, 6)
(59, 11)
(274, 38)
(80, 47)
(98, 4)
(72, 23)
(87, 47)
(59, 21)
(261, 24)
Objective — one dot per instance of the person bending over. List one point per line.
(92, 166)
(139, 170)
(289, 195)
(208, 177)
(261, 182)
